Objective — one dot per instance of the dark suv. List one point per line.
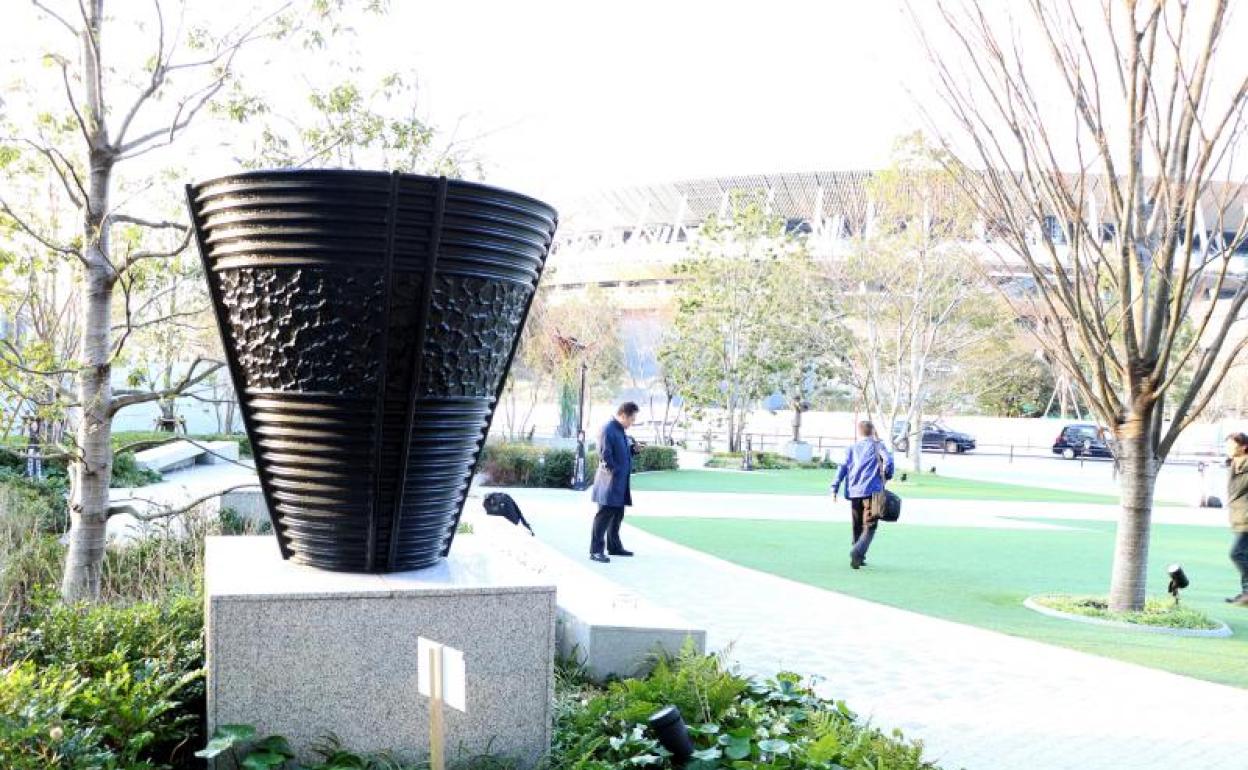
(1082, 440)
(935, 436)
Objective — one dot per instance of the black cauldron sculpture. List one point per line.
(369, 320)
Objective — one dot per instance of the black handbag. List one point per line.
(892, 506)
(888, 502)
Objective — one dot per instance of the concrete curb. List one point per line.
(1222, 631)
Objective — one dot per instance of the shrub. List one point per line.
(128, 473)
(41, 502)
(168, 560)
(527, 465)
(655, 458)
(735, 722)
(103, 686)
(33, 514)
(765, 461)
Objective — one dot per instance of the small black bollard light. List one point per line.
(669, 727)
(1178, 581)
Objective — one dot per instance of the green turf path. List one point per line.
(981, 576)
(818, 482)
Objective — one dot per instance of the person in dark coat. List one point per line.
(611, 484)
(1237, 508)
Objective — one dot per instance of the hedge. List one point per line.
(763, 461)
(515, 464)
(655, 458)
(528, 465)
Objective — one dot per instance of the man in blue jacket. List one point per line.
(863, 476)
(611, 484)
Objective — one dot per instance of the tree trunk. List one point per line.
(667, 409)
(92, 470)
(916, 407)
(567, 409)
(797, 422)
(1139, 475)
(915, 448)
(91, 474)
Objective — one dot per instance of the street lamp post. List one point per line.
(578, 475)
(571, 346)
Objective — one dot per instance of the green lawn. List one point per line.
(818, 482)
(981, 576)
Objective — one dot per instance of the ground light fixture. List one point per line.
(1178, 581)
(669, 727)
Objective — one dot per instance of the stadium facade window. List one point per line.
(1228, 238)
(1052, 230)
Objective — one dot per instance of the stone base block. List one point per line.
(219, 452)
(626, 645)
(246, 503)
(176, 455)
(302, 652)
(610, 631)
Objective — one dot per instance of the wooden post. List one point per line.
(437, 730)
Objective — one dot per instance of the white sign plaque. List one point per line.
(454, 674)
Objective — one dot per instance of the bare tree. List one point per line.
(1099, 146)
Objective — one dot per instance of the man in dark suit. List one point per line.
(611, 484)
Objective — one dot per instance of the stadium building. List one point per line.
(628, 241)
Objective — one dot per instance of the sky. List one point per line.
(559, 98)
(567, 97)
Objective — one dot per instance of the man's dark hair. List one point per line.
(866, 428)
(1239, 438)
(628, 409)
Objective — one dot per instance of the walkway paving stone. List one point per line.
(978, 699)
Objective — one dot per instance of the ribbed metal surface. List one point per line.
(369, 320)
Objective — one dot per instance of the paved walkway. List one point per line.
(978, 699)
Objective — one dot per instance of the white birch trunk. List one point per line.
(1138, 479)
(92, 471)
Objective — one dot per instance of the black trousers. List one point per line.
(607, 529)
(1239, 555)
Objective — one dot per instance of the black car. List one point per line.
(1082, 440)
(935, 436)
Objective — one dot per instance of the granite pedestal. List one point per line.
(302, 652)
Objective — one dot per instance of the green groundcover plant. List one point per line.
(102, 687)
(1156, 612)
(735, 722)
